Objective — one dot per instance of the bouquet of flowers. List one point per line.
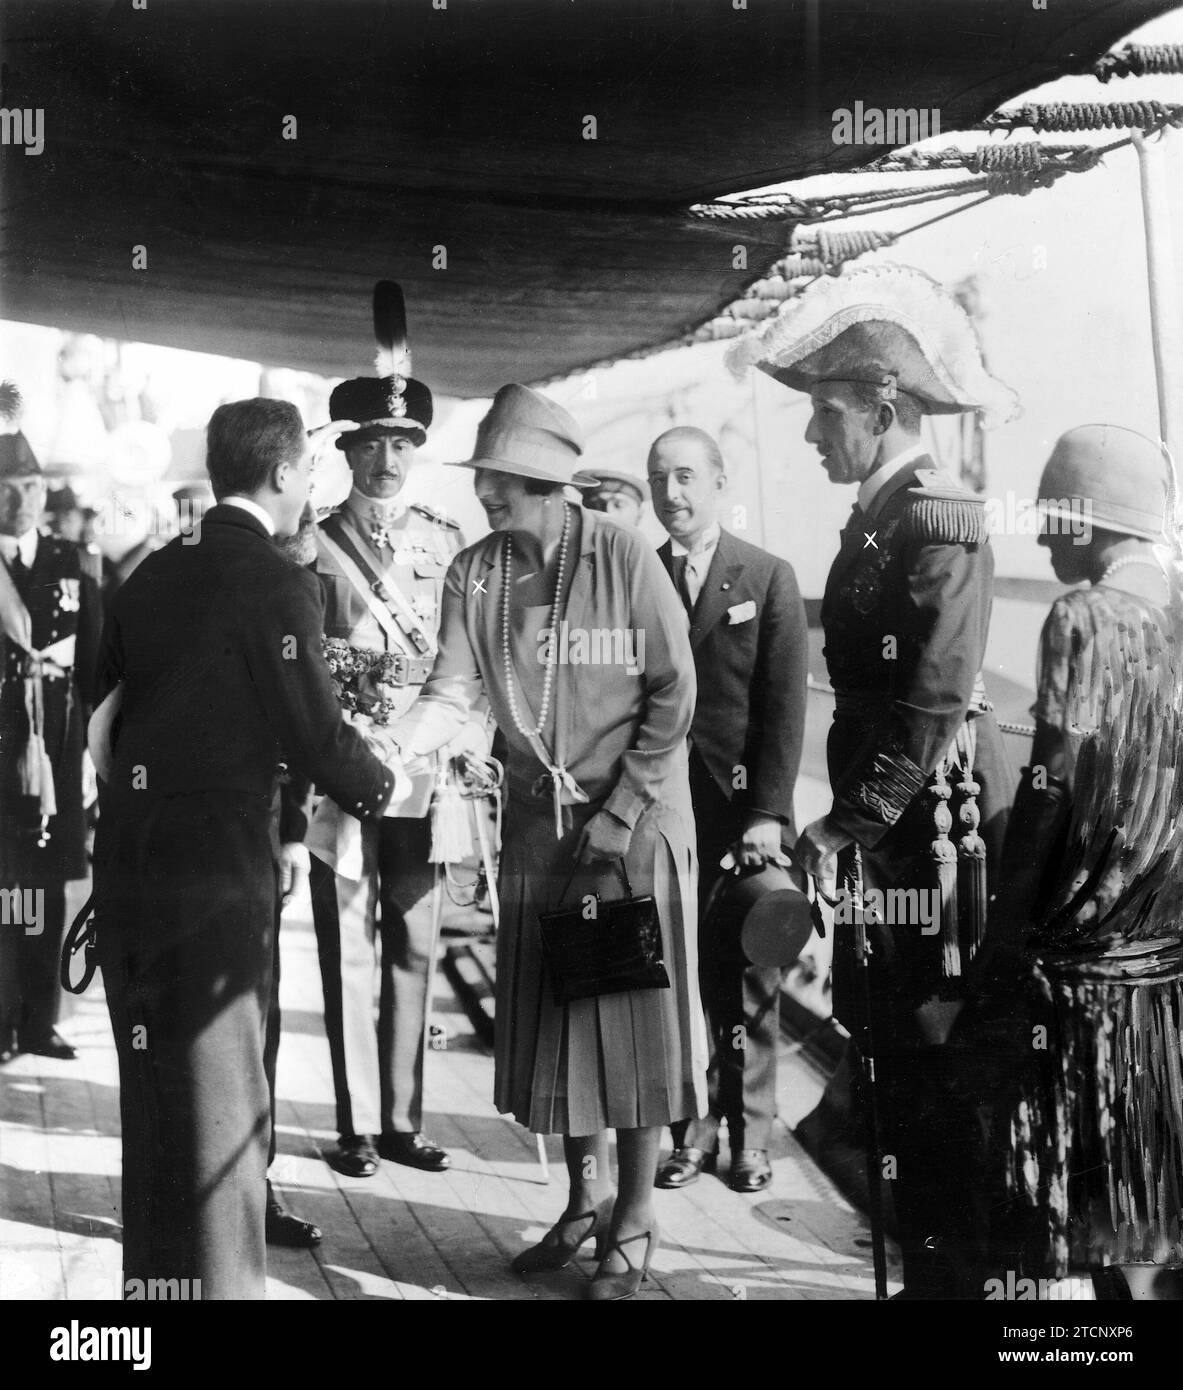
(363, 681)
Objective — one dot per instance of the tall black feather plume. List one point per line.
(10, 400)
(390, 330)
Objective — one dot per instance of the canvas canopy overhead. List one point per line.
(461, 128)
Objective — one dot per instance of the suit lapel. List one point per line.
(717, 590)
(665, 554)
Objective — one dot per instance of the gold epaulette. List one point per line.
(434, 515)
(942, 512)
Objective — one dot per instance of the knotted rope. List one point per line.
(1146, 116)
(1140, 60)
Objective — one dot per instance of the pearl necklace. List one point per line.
(552, 656)
(1131, 560)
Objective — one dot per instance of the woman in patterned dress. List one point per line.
(596, 776)
(1091, 911)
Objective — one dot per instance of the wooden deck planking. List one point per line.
(403, 1234)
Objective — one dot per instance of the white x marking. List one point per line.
(871, 540)
(478, 587)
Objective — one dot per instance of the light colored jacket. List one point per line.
(621, 736)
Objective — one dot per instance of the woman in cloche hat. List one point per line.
(1091, 911)
(596, 774)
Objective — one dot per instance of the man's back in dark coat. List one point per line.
(218, 646)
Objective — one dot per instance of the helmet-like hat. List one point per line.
(1120, 478)
(886, 326)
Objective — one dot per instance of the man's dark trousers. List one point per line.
(742, 1001)
(187, 971)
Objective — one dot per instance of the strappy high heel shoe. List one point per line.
(607, 1286)
(553, 1252)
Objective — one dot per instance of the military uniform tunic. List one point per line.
(905, 613)
(39, 852)
(380, 900)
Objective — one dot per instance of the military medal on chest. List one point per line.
(423, 607)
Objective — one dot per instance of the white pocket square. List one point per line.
(741, 612)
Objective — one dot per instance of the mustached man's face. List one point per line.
(686, 487)
(380, 465)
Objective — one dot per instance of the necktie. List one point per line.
(681, 583)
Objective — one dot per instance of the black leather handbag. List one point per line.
(603, 948)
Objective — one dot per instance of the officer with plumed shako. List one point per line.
(381, 564)
(49, 629)
(919, 778)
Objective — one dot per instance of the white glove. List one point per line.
(473, 738)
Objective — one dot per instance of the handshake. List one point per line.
(382, 742)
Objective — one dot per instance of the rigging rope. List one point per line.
(1085, 115)
(1140, 60)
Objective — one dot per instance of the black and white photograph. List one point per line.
(591, 668)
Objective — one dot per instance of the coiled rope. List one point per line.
(1085, 115)
(1140, 60)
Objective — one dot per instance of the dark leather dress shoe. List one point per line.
(415, 1150)
(10, 1049)
(683, 1167)
(282, 1228)
(52, 1046)
(750, 1171)
(356, 1156)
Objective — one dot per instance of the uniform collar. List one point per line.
(262, 516)
(873, 486)
(25, 546)
(704, 544)
(376, 511)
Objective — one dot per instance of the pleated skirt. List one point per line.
(617, 1061)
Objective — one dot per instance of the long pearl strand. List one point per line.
(552, 658)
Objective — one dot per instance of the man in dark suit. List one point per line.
(748, 633)
(216, 643)
(49, 624)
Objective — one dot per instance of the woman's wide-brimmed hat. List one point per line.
(887, 326)
(529, 436)
(1121, 480)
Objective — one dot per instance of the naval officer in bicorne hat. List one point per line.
(905, 613)
(381, 564)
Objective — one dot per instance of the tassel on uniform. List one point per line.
(944, 855)
(971, 858)
(451, 826)
(35, 769)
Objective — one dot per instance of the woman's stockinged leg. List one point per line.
(588, 1172)
(637, 1153)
